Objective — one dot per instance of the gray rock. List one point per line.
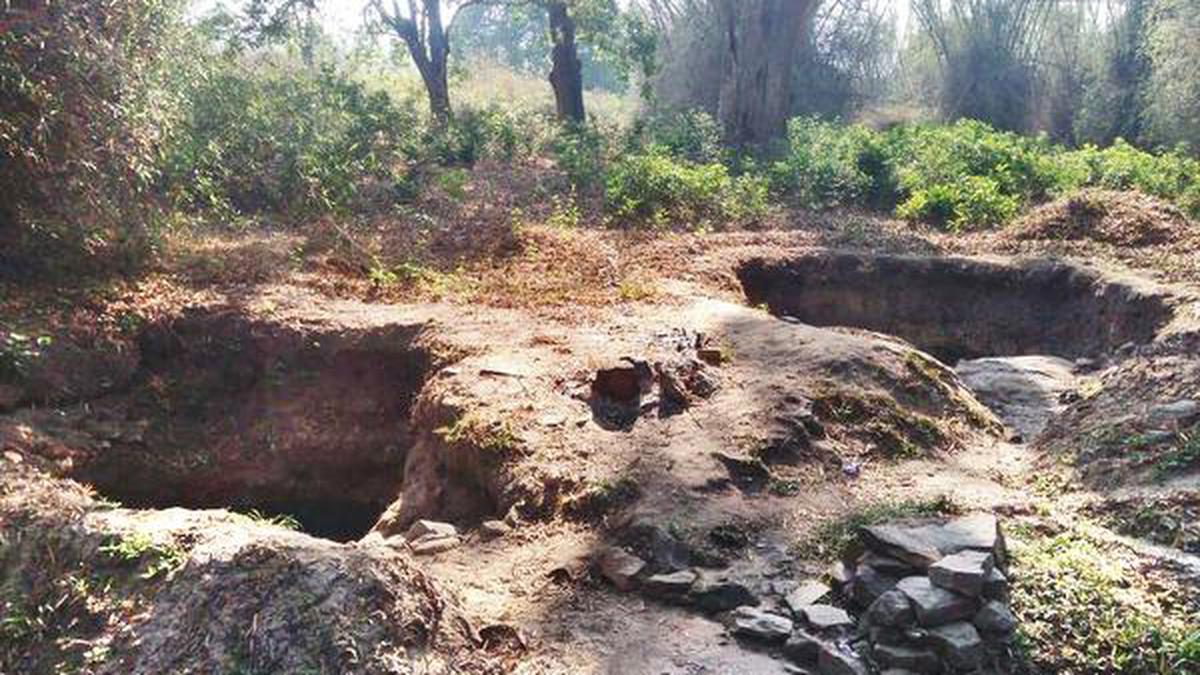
(935, 606)
(841, 573)
(964, 572)
(995, 618)
(433, 543)
(807, 593)
(923, 543)
(868, 584)
(802, 647)
(886, 565)
(826, 617)
(892, 609)
(835, 659)
(620, 567)
(897, 671)
(1175, 415)
(1025, 392)
(717, 593)
(758, 624)
(909, 658)
(423, 528)
(675, 584)
(996, 586)
(492, 529)
(959, 644)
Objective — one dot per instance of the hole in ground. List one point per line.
(959, 308)
(245, 415)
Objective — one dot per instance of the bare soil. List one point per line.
(762, 385)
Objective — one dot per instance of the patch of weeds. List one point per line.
(834, 539)
(1086, 604)
(494, 437)
(1184, 454)
(139, 549)
(634, 289)
(784, 487)
(604, 497)
(284, 520)
(896, 433)
(454, 183)
(564, 212)
(1170, 520)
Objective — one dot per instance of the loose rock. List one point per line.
(424, 528)
(995, 618)
(807, 593)
(620, 567)
(492, 529)
(716, 593)
(868, 585)
(892, 609)
(908, 658)
(432, 543)
(826, 617)
(959, 644)
(935, 606)
(673, 585)
(758, 624)
(834, 659)
(802, 647)
(965, 572)
(996, 586)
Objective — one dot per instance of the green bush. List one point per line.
(489, 133)
(581, 152)
(691, 135)
(657, 189)
(830, 164)
(1172, 176)
(280, 137)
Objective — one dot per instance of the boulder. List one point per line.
(892, 609)
(958, 644)
(620, 567)
(1175, 415)
(965, 572)
(826, 617)
(759, 624)
(935, 606)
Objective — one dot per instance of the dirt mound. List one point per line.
(142, 592)
(1107, 216)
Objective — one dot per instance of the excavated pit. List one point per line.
(248, 415)
(961, 308)
(1010, 330)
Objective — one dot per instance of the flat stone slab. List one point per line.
(913, 659)
(965, 572)
(759, 624)
(807, 593)
(670, 585)
(959, 644)
(923, 543)
(935, 606)
(826, 617)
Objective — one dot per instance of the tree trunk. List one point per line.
(430, 52)
(761, 42)
(566, 73)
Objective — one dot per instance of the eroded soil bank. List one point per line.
(703, 436)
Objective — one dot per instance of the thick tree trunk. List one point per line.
(566, 73)
(762, 38)
(430, 52)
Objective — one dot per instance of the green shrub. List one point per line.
(654, 188)
(580, 151)
(691, 135)
(279, 137)
(1172, 176)
(489, 133)
(829, 164)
